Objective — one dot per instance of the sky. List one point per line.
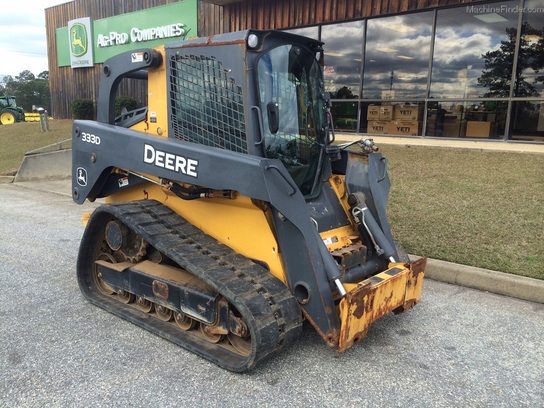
(23, 44)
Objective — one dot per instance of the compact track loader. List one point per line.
(230, 215)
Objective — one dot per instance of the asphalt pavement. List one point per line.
(458, 347)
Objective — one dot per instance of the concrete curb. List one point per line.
(501, 283)
(42, 166)
(6, 179)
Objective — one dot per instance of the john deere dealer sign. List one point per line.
(80, 40)
(86, 42)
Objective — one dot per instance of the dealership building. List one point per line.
(424, 68)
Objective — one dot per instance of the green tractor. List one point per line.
(9, 111)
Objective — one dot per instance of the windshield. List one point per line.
(290, 90)
(8, 101)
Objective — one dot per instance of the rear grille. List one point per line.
(206, 105)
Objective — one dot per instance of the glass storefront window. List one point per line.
(393, 118)
(528, 120)
(397, 56)
(344, 115)
(343, 56)
(479, 60)
(473, 51)
(485, 119)
(530, 75)
(310, 32)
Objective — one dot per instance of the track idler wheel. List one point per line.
(120, 238)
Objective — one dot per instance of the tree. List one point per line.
(28, 89)
(497, 76)
(25, 76)
(343, 93)
(43, 75)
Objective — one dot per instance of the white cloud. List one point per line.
(23, 44)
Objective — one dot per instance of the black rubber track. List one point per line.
(271, 312)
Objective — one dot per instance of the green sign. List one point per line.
(126, 32)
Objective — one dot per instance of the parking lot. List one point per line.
(458, 347)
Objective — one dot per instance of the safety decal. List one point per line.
(123, 182)
(137, 57)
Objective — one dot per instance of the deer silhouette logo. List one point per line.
(81, 176)
(78, 40)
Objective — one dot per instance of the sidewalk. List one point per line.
(485, 144)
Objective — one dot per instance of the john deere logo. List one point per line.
(78, 40)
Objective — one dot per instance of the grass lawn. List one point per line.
(472, 207)
(19, 138)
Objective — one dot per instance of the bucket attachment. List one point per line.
(395, 290)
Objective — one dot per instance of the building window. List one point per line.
(530, 67)
(452, 119)
(397, 56)
(527, 114)
(527, 120)
(471, 71)
(345, 115)
(310, 32)
(343, 57)
(468, 61)
(342, 71)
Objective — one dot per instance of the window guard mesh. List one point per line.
(206, 104)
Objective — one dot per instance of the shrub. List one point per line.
(83, 109)
(124, 102)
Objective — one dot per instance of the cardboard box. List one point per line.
(451, 130)
(404, 127)
(373, 112)
(386, 112)
(478, 129)
(451, 126)
(388, 94)
(378, 127)
(407, 112)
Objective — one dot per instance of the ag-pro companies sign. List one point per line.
(137, 35)
(107, 37)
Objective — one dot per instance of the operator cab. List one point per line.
(292, 103)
